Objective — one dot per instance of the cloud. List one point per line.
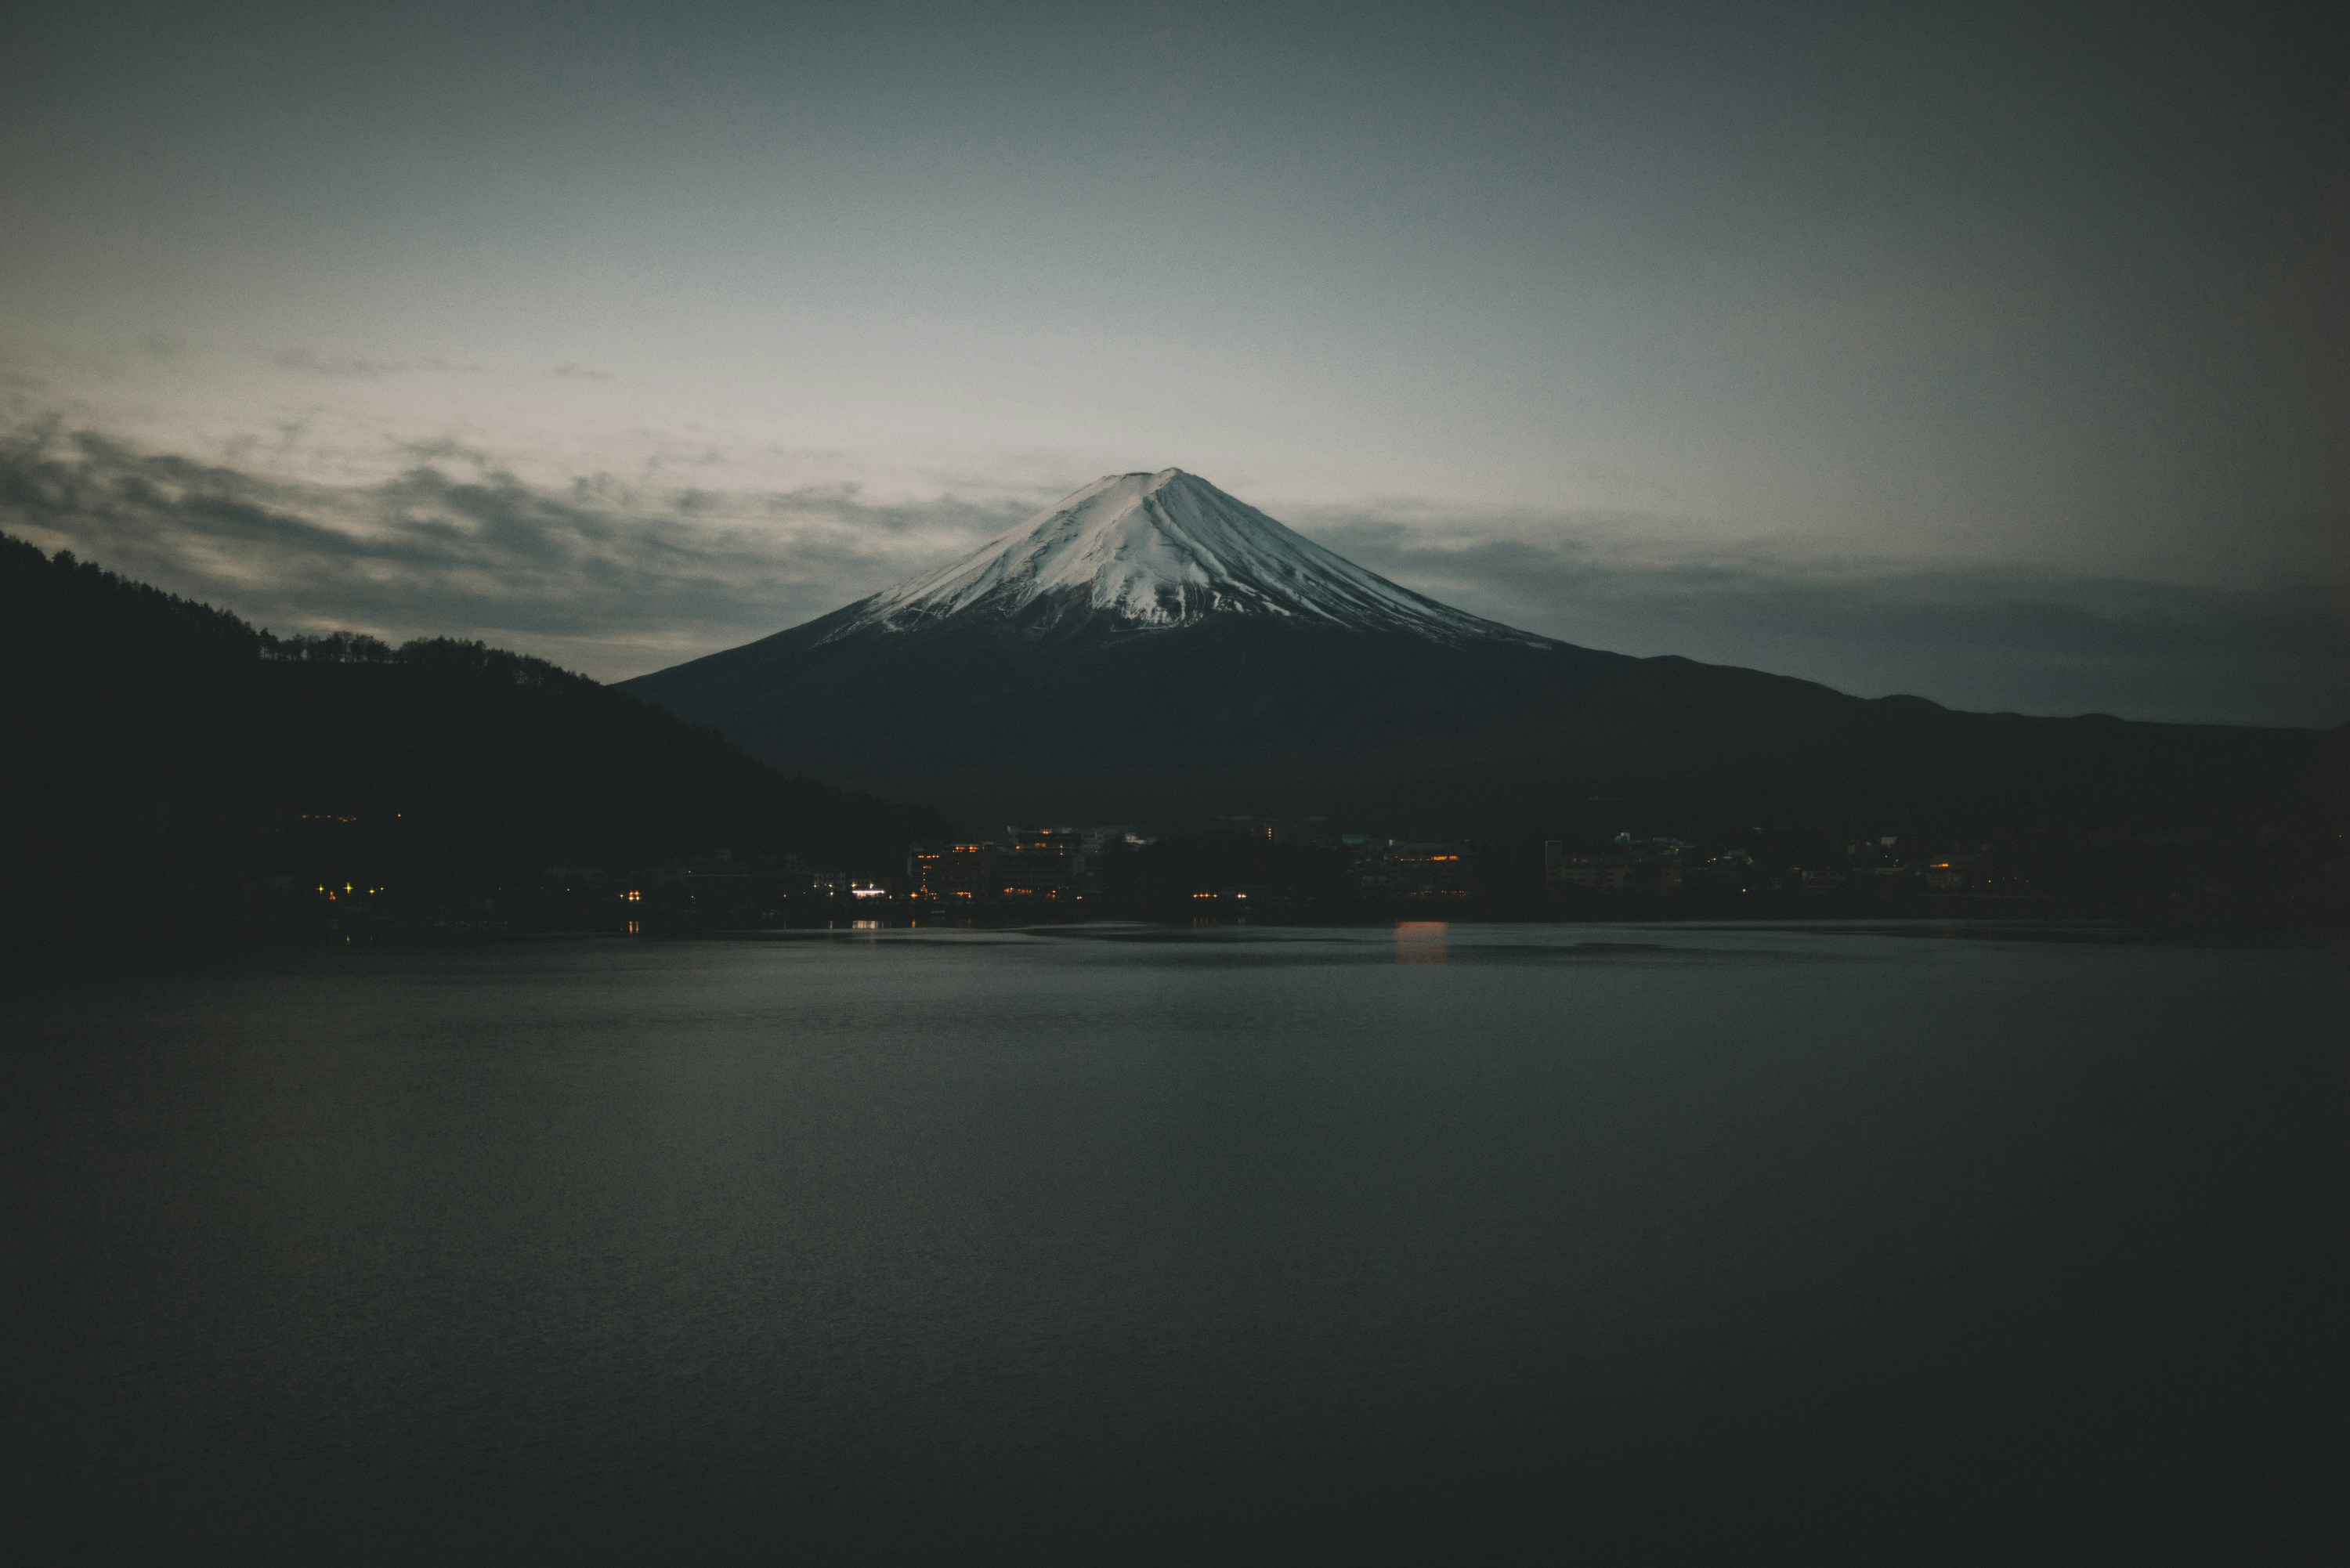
(354, 367)
(312, 362)
(580, 373)
(601, 574)
(618, 576)
(443, 449)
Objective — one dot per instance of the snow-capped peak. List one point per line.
(1158, 550)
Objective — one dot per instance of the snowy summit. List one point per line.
(1154, 550)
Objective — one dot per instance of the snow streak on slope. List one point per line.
(1158, 550)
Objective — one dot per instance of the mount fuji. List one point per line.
(1154, 552)
(1152, 649)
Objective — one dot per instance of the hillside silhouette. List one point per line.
(163, 765)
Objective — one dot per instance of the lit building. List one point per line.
(1043, 864)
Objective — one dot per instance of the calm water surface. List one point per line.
(1435, 1243)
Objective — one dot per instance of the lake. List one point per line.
(1899, 1243)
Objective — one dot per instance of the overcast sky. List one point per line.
(2003, 358)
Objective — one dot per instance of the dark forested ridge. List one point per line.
(1261, 715)
(165, 768)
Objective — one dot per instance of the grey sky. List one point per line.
(2010, 309)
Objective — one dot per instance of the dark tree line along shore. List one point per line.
(168, 771)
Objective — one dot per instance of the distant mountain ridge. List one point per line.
(1153, 650)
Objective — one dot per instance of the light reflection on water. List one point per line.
(1422, 942)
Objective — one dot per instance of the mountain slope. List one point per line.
(1152, 649)
(1153, 551)
(143, 736)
